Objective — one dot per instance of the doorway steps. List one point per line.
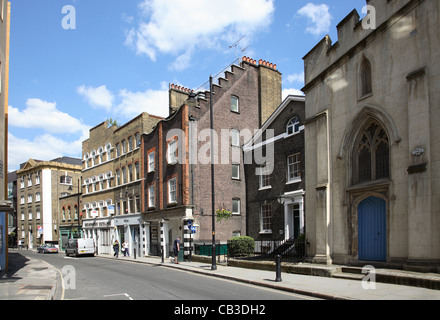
(349, 273)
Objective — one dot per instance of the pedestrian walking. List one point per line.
(116, 249)
(176, 249)
(125, 249)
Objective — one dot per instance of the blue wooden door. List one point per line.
(372, 230)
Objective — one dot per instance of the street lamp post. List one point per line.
(214, 263)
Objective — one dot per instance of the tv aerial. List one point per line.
(235, 45)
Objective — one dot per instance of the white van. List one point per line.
(79, 247)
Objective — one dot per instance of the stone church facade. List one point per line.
(372, 138)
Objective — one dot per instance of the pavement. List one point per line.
(28, 279)
(33, 279)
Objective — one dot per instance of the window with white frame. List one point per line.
(151, 197)
(37, 178)
(266, 218)
(172, 151)
(235, 206)
(124, 146)
(265, 178)
(92, 156)
(66, 180)
(22, 200)
(29, 180)
(172, 190)
(236, 171)
(137, 139)
(22, 182)
(130, 143)
(235, 138)
(37, 197)
(234, 104)
(293, 126)
(294, 168)
(100, 154)
(151, 161)
(29, 198)
(38, 217)
(118, 177)
(108, 149)
(30, 215)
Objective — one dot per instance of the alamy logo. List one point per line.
(69, 277)
(369, 21)
(69, 20)
(369, 281)
(226, 147)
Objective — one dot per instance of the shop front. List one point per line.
(132, 230)
(103, 232)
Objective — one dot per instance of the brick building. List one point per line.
(244, 96)
(40, 184)
(70, 215)
(98, 180)
(275, 199)
(111, 187)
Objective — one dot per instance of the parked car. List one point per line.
(47, 248)
(78, 247)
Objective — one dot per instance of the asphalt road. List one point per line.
(94, 278)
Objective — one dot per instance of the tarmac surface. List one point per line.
(34, 279)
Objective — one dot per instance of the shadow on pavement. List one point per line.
(16, 261)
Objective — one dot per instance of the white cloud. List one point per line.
(180, 27)
(132, 104)
(294, 92)
(41, 114)
(45, 147)
(318, 16)
(295, 77)
(52, 133)
(182, 62)
(99, 97)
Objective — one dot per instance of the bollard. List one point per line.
(278, 268)
(134, 251)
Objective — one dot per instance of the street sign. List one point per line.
(189, 223)
(193, 230)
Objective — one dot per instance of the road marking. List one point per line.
(118, 294)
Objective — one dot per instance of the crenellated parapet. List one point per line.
(353, 31)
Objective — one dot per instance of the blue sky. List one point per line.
(121, 56)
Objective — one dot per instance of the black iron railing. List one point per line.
(291, 250)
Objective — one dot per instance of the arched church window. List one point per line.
(372, 155)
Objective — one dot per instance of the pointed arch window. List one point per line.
(372, 155)
(366, 78)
